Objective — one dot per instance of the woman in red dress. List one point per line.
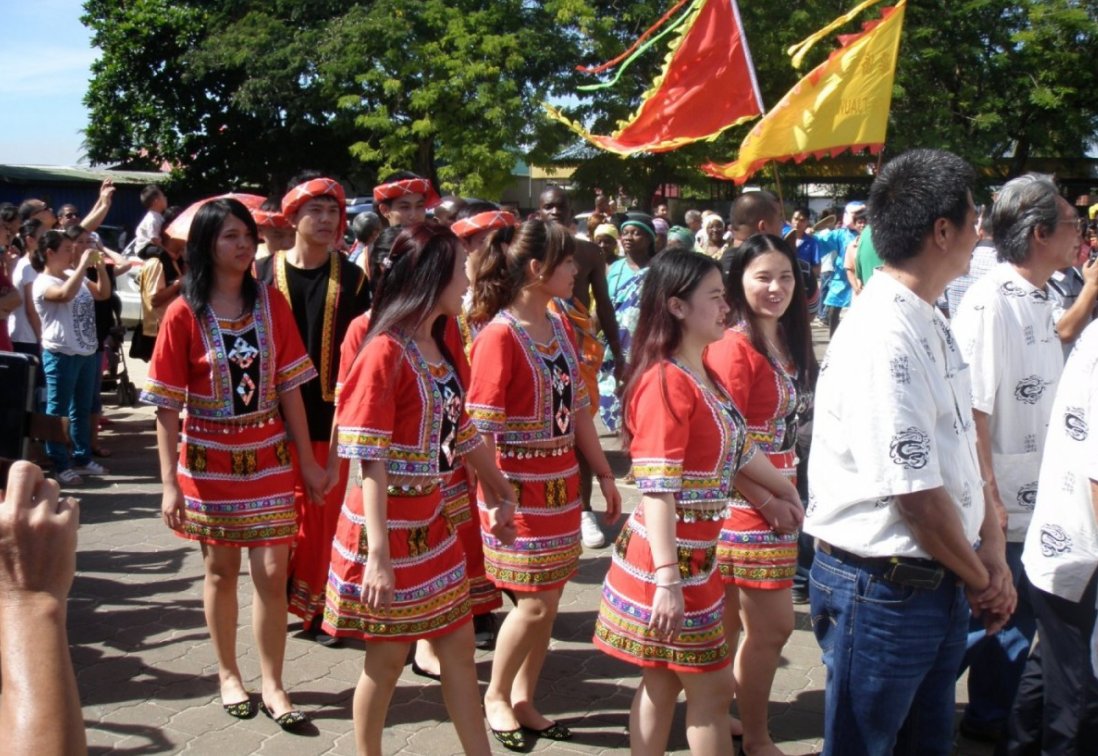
(662, 600)
(527, 399)
(765, 360)
(229, 355)
(398, 570)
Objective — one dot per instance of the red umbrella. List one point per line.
(181, 226)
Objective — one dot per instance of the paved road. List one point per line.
(148, 677)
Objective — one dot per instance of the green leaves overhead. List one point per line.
(247, 92)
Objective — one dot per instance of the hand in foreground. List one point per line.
(378, 583)
(667, 611)
(610, 492)
(332, 475)
(37, 537)
(315, 478)
(172, 505)
(783, 516)
(501, 521)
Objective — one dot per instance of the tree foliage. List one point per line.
(1000, 82)
(239, 92)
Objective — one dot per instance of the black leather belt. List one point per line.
(910, 571)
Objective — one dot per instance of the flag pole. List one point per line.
(778, 183)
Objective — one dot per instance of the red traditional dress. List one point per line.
(396, 407)
(324, 301)
(525, 394)
(235, 467)
(689, 442)
(457, 502)
(751, 554)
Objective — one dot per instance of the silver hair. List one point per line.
(692, 215)
(1023, 205)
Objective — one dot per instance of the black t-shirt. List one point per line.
(309, 301)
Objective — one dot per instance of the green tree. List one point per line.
(248, 91)
(1000, 82)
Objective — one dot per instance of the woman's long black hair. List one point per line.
(416, 268)
(793, 325)
(674, 273)
(199, 279)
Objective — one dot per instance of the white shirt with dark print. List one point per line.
(1061, 551)
(893, 417)
(1005, 329)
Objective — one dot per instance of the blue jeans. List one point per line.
(891, 653)
(70, 383)
(995, 664)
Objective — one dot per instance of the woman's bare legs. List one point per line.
(380, 670)
(459, 687)
(732, 626)
(768, 623)
(219, 602)
(652, 712)
(708, 696)
(521, 647)
(269, 565)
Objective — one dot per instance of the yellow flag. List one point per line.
(842, 104)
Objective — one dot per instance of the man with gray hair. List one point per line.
(1004, 327)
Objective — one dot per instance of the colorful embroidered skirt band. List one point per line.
(547, 550)
(431, 596)
(750, 554)
(312, 550)
(238, 487)
(458, 505)
(621, 629)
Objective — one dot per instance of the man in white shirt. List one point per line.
(895, 496)
(1004, 326)
(1056, 709)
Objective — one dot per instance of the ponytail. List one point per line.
(494, 284)
(501, 271)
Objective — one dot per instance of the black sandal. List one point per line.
(291, 721)
(241, 709)
(555, 731)
(512, 740)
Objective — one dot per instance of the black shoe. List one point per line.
(555, 731)
(241, 709)
(484, 631)
(512, 740)
(291, 721)
(418, 670)
(800, 596)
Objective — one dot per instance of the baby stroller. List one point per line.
(118, 375)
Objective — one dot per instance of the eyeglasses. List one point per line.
(1080, 224)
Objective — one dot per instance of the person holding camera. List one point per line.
(64, 299)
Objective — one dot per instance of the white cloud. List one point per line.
(47, 71)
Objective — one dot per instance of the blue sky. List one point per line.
(49, 55)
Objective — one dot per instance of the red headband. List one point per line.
(486, 221)
(270, 219)
(318, 187)
(396, 189)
